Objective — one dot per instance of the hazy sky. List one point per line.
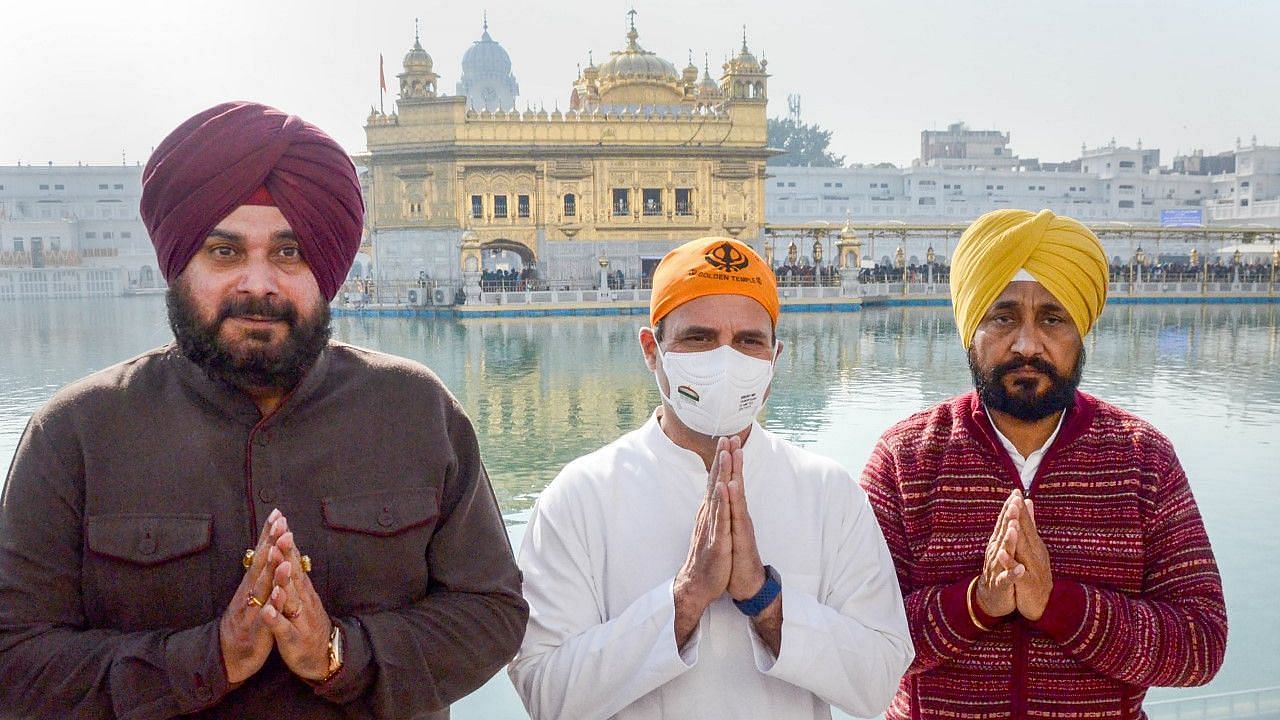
(86, 81)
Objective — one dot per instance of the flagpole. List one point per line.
(382, 86)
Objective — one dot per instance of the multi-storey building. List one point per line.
(76, 217)
(960, 147)
(1112, 184)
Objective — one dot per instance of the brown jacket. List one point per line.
(135, 491)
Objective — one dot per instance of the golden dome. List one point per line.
(635, 63)
(417, 60)
(707, 86)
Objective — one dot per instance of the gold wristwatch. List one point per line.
(335, 653)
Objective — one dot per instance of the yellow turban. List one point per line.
(1064, 255)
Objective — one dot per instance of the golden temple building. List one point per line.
(644, 157)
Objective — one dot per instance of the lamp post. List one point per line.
(1235, 264)
(817, 258)
(929, 257)
(900, 260)
(1194, 258)
(871, 251)
(1140, 258)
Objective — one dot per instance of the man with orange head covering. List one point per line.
(253, 521)
(645, 561)
(1051, 554)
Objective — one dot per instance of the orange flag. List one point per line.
(382, 74)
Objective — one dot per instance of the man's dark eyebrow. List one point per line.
(235, 237)
(1047, 306)
(696, 330)
(750, 334)
(221, 234)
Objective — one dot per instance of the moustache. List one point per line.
(1035, 363)
(259, 308)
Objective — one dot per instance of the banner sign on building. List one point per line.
(1182, 217)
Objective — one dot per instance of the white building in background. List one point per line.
(81, 216)
(486, 79)
(963, 174)
(960, 147)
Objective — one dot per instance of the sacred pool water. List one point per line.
(542, 391)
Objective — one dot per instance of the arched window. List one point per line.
(570, 205)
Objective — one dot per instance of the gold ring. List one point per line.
(253, 601)
(306, 563)
(247, 560)
(292, 615)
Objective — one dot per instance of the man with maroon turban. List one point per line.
(253, 521)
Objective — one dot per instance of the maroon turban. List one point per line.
(214, 162)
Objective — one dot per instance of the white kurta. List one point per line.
(600, 555)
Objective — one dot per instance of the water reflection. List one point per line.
(542, 391)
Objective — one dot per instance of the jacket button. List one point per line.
(147, 545)
(266, 494)
(386, 519)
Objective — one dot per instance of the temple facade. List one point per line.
(643, 157)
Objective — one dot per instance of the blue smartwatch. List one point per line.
(756, 604)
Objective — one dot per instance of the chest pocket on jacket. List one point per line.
(148, 570)
(378, 548)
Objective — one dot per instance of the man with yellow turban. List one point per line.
(645, 571)
(1049, 549)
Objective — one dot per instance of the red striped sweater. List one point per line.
(1137, 600)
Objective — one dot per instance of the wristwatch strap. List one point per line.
(756, 604)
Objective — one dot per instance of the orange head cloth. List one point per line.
(711, 266)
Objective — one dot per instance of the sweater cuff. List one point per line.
(1064, 613)
(955, 608)
(197, 673)
(357, 670)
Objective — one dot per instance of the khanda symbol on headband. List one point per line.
(726, 257)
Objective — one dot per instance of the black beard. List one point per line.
(1024, 403)
(280, 369)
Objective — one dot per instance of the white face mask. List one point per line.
(715, 392)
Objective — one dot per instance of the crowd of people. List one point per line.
(526, 278)
(802, 275)
(797, 274)
(1216, 270)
